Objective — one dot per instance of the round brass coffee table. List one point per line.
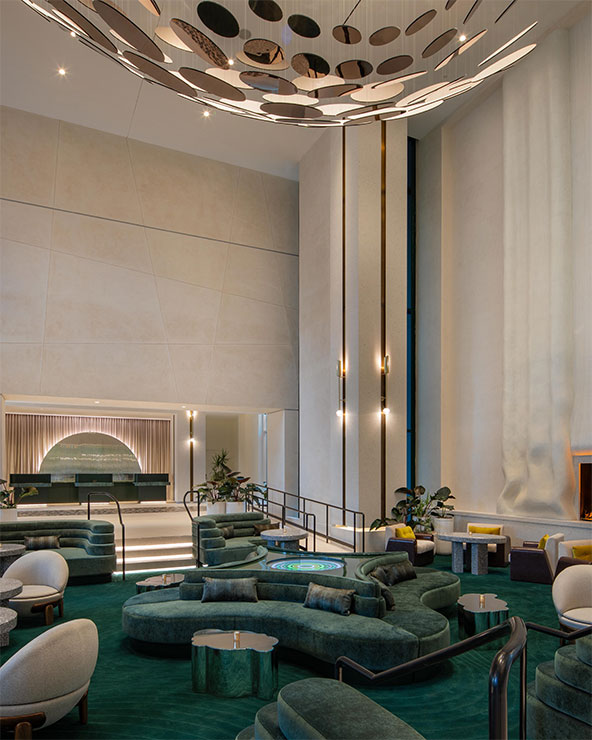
(234, 664)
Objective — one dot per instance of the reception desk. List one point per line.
(74, 488)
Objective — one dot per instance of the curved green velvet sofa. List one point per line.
(88, 545)
(215, 550)
(368, 635)
(416, 601)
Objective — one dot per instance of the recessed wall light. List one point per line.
(62, 73)
(231, 62)
(97, 402)
(206, 114)
(73, 34)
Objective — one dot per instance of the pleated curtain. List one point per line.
(29, 437)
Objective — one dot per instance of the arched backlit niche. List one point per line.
(90, 452)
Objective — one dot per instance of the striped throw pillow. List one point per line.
(45, 542)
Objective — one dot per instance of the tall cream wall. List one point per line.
(134, 272)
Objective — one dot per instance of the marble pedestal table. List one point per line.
(478, 544)
(478, 612)
(286, 538)
(9, 552)
(7, 623)
(234, 664)
(9, 587)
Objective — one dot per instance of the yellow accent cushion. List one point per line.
(582, 552)
(405, 533)
(543, 541)
(484, 530)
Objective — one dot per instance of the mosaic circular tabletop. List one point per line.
(308, 565)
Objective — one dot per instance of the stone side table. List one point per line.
(478, 544)
(286, 538)
(9, 587)
(234, 664)
(9, 552)
(7, 623)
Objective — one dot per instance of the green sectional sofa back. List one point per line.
(88, 545)
(215, 549)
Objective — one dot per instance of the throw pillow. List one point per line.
(395, 573)
(387, 595)
(405, 533)
(380, 574)
(328, 599)
(582, 552)
(262, 527)
(45, 542)
(227, 532)
(229, 589)
(543, 541)
(484, 530)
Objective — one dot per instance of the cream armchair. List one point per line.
(44, 575)
(565, 547)
(48, 677)
(572, 596)
(421, 550)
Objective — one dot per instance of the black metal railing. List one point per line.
(113, 498)
(498, 675)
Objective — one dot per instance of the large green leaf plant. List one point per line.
(418, 508)
(226, 485)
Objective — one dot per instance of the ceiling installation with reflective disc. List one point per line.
(306, 62)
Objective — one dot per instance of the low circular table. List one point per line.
(9, 587)
(478, 612)
(9, 552)
(234, 664)
(154, 583)
(7, 623)
(478, 544)
(286, 538)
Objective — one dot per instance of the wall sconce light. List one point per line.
(340, 382)
(385, 369)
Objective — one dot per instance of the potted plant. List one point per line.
(227, 491)
(9, 498)
(418, 509)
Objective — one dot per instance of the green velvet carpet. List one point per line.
(133, 695)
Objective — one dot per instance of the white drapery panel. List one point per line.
(538, 309)
(29, 437)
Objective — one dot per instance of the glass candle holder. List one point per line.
(481, 600)
(236, 639)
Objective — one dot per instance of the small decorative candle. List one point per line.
(236, 639)
(481, 600)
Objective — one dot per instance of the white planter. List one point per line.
(443, 526)
(218, 508)
(8, 515)
(374, 540)
(235, 507)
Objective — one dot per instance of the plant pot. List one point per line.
(443, 526)
(218, 508)
(8, 515)
(235, 507)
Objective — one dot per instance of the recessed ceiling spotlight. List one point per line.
(231, 62)
(97, 402)
(62, 73)
(206, 114)
(462, 37)
(73, 34)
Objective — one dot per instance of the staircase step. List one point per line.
(266, 724)
(324, 708)
(571, 670)
(558, 695)
(584, 649)
(545, 723)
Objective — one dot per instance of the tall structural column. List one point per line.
(370, 203)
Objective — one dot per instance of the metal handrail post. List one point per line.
(113, 498)
(523, 666)
(326, 522)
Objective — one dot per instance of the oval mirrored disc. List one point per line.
(81, 21)
(127, 29)
(268, 83)
(504, 62)
(460, 50)
(211, 85)
(333, 91)
(449, 4)
(269, 10)
(347, 34)
(439, 43)
(308, 83)
(420, 22)
(353, 69)
(199, 43)
(304, 26)
(310, 65)
(159, 74)
(394, 64)
(166, 34)
(290, 110)
(297, 98)
(218, 19)
(471, 12)
(151, 6)
(384, 35)
(372, 94)
(232, 76)
(264, 52)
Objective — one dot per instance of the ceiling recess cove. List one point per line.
(264, 59)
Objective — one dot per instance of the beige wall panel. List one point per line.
(113, 242)
(184, 193)
(94, 302)
(249, 215)
(94, 174)
(292, 318)
(187, 258)
(28, 154)
(22, 223)
(254, 273)
(20, 368)
(289, 271)
(244, 321)
(191, 368)
(23, 310)
(281, 196)
(189, 313)
(261, 376)
(117, 371)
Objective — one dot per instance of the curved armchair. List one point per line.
(531, 564)
(420, 550)
(566, 547)
(44, 575)
(572, 596)
(49, 676)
